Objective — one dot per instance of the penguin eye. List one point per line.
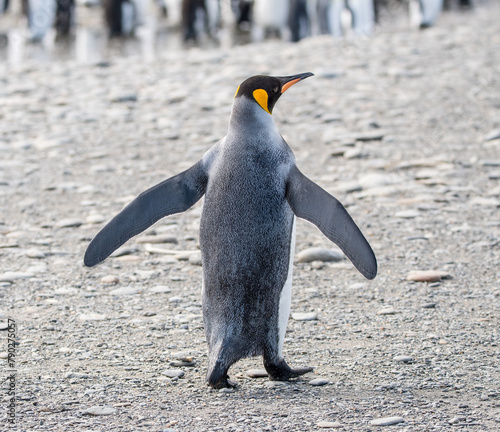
(275, 89)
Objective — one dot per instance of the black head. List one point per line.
(266, 90)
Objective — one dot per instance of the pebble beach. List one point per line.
(403, 127)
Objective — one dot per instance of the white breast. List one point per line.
(286, 294)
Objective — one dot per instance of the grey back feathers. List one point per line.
(253, 190)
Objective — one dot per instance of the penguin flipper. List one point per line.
(171, 196)
(312, 203)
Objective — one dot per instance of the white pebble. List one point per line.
(386, 311)
(319, 254)
(35, 253)
(173, 373)
(387, 421)
(318, 382)
(100, 410)
(124, 291)
(305, 316)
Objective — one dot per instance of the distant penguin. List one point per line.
(124, 16)
(163, 7)
(4, 5)
(298, 20)
(199, 16)
(363, 16)
(242, 10)
(464, 4)
(65, 13)
(332, 14)
(424, 13)
(45, 14)
(253, 192)
(41, 17)
(270, 17)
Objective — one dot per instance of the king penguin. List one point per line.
(253, 192)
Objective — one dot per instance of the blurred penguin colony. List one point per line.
(287, 19)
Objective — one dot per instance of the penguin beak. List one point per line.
(287, 82)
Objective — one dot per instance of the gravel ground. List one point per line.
(402, 127)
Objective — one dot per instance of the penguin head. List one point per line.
(266, 90)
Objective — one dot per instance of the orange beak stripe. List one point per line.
(289, 84)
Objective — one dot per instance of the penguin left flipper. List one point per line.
(312, 203)
(171, 196)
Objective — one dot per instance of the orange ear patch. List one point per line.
(237, 90)
(261, 96)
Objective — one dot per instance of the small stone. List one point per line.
(353, 153)
(4, 355)
(71, 402)
(159, 289)
(182, 363)
(124, 251)
(319, 254)
(100, 410)
(95, 219)
(78, 375)
(375, 180)
(493, 135)
(304, 316)
(195, 259)
(157, 239)
(386, 311)
(123, 291)
(110, 279)
(403, 359)
(68, 223)
(91, 316)
(428, 306)
(408, 214)
(318, 382)
(257, 373)
(495, 175)
(329, 425)
(276, 384)
(226, 390)
(175, 299)
(317, 265)
(485, 202)
(456, 419)
(375, 135)
(387, 421)
(426, 276)
(186, 356)
(12, 276)
(348, 187)
(491, 163)
(123, 98)
(173, 373)
(35, 253)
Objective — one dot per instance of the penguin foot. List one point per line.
(224, 382)
(281, 371)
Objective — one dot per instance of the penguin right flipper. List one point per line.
(171, 196)
(310, 202)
